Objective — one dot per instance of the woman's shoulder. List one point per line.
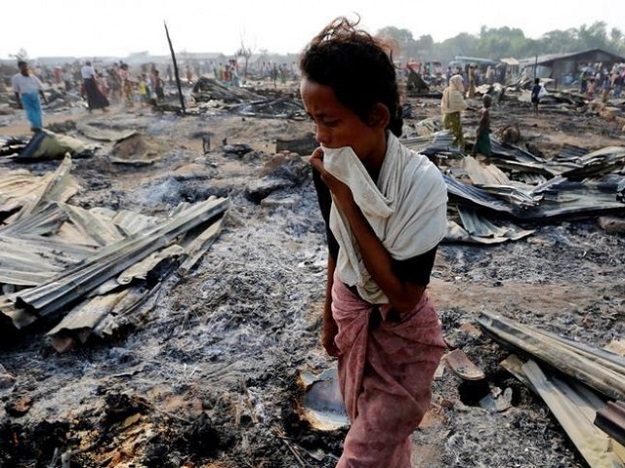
(419, 170)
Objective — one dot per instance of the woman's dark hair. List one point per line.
(357, 67)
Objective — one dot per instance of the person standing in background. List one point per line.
(27, 89)
(606, 87)
(591, 89)
(618, 85)
(482, 134)
(472, 81)
(536, 95)
(452, 105)
(95, 97)
(124, 75)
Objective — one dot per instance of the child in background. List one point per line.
(482, 134)
(144, 91)
(606, 87)
(591, 89)
(103, 85)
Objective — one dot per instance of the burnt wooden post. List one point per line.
(173, 57)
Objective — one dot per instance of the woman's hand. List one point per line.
(341, 191)
(330, 330)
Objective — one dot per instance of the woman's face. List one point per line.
(337, 126)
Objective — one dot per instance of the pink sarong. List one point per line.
(385, 373)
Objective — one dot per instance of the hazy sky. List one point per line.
(118, 27)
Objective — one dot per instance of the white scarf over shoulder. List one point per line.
(406, 209)
(452, 100)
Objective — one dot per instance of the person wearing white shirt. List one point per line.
(95, 98)
(27, 89)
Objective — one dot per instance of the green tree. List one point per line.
(403, 41)
(402, 36)
(496, 43)
(594, 36)
(424, 47)
(617, 40)
(559, 41)
(499, 42)
(462, 44)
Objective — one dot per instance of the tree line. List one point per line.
(497, 43)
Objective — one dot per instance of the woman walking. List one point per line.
(385, 212)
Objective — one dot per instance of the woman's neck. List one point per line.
(374, 164)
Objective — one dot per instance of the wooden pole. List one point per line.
(173, 57)
(536, 67)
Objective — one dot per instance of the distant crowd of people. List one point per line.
(119, 83)
(473, 75)
(602, 82)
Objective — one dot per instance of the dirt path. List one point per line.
(545, 299)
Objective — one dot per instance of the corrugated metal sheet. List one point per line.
(47, 221)
(596, 371)
(570, 153)
(484, 174)
(101, 230)
(60, 187)
(512, 152)
(140, 270)
(561, 198)
(21, 188)
(575, 414)
(132, 223)
(436, 144)
(612, 420)
(483, 231)
(475, 196)
(68, 286)
(88, 314)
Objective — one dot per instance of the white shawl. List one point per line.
(407, 210)
(452, 100)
